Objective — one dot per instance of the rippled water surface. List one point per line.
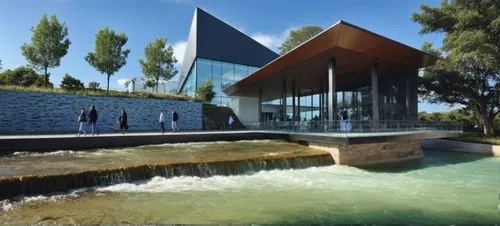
(444, 188)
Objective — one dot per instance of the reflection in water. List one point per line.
(443, 188)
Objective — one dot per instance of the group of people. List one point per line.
(92, 116)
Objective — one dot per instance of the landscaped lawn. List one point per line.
(476, 138)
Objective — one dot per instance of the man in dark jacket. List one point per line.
(175, 117)
(123, 121)
(93, 120)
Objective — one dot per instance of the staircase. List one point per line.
(217, 117)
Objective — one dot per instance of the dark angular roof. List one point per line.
(213, 39)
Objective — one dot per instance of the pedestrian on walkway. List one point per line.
(230, 122)
(123, 121)
(93, 120)
(82, 119)
(162, 122)
(175, 117)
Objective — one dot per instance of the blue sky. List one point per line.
(143, 21)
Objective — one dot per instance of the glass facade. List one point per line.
(396, 98)
(222, 74)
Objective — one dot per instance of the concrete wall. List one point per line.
(30, 113)
(246, 108)
(457, 146)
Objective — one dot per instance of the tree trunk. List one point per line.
(46, 77)
(107, 88)
(487, 125)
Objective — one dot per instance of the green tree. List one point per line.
(158, 62)
(299, 36)
(0, 64)
(22, 76)
(108, 56)
(49, 44)
(469, 70)
(205, 92)
(93, 85)
(70, 83)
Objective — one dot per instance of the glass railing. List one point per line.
(355, 126)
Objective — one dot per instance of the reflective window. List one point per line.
(204, 70)
(227, 74)
(252, 70)
(240, 72)
(222, 74)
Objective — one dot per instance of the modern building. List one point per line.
(218, 52)
(344, 68)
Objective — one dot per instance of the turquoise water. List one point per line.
(445, 188)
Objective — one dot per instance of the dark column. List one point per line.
(331, 89)
(312, 106)
(375, 106)
(321, 100)
(283, 105)
(260, 105)
(298, 101)
(294, 111)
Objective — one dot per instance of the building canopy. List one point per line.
(355, 51)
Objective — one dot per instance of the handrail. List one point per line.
(355, 126)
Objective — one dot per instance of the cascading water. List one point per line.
(196, 159)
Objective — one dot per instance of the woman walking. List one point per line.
(82, 119)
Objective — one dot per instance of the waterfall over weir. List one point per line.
(43, 184)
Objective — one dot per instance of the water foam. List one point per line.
(42, 154)
(274, 179)
(7, 205)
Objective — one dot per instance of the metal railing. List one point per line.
(354, 126)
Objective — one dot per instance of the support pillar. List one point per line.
(283, 102)
(294, 110)
(298, 101)
(260, 105)
(321, 101)
(375, 105)
(312, 106)
(331, 89)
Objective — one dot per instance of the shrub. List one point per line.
(70, 83)
(205, 92)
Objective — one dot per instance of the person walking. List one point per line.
(175, 117)
(123, 121)
(82, 119)
(93, 120)
(230, 122)
(162, 122)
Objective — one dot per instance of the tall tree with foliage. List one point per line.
(469, 70)
(299, 36)
(206, 91)
(108, 56)
(158, 62)
(49, 44)
(70, 83)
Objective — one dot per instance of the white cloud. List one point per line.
(122, 81)
(272, 41)
(179, 50)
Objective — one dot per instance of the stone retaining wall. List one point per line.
(372, 153)
(35, 113)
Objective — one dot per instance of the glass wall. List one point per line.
(222, 74)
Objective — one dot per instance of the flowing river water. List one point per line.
(444, 187)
